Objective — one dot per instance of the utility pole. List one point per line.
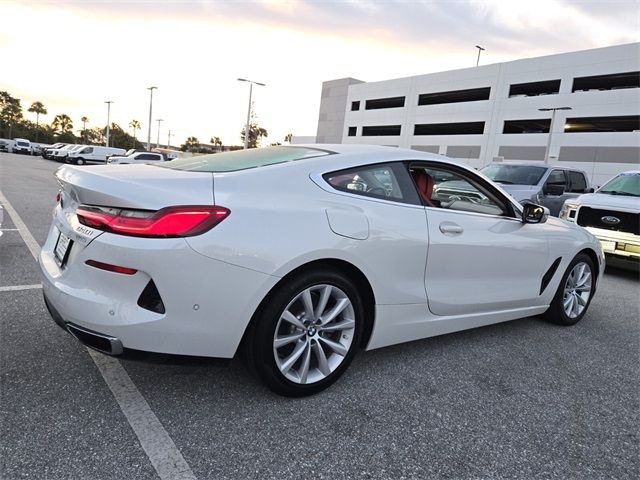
(108, 102)
(246, 129)
(151, 89)
(158, 139)
(169, 139)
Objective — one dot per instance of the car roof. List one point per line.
(535, 164)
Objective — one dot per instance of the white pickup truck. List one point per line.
(612, 214)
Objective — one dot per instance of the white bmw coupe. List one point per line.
(298, 256)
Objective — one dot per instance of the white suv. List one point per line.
(612, 214)
(137, 157)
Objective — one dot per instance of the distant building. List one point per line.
(492, 112)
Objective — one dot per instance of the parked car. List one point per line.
(298, 256)
(47, 152)
(92, 154)
(60, 155)
(4, 146)
(21, 145)
(547, 185)
(38, 148)
(612, 214)
(136, 157)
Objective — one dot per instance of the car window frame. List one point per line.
(510, 210)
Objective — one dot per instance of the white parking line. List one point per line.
(154, 439)
(15, 288)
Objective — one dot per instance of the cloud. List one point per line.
(505, 27)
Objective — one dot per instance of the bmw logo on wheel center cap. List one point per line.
(311, 331)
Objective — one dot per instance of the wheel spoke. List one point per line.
(567, 302)
(292, 319)
(324, 298)
(345, 324)
(323, 365)
(336, 310)
(576, 306)
(308, 305)
(306, 360)
(586, 278)
(335, 346)
(293, 358)
(581, 300)
(585, 288)
(287, 339)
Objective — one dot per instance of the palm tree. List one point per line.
(63, 123)
(39, 109)
(84, 121)
(135, 125)
(216, 141)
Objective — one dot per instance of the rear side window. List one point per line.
(244, 159)
(383, 181)
(577, 182)
(87, 150)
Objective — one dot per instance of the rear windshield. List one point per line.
(514, 174)
(243, 159)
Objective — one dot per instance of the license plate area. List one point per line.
(62, 249)
(607, 246)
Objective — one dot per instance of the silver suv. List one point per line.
(546, 185)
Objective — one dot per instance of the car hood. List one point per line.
(608, 201)
(519, 192)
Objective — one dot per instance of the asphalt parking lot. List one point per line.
(522, 399)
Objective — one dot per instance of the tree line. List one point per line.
(13, 124)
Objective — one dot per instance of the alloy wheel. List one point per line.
(577, 290)
(314, 334)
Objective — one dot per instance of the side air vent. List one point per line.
(549, 275)
(150, 298)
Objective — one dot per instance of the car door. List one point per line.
(551, 199)
(481, 257)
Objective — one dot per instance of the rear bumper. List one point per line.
(208, 303)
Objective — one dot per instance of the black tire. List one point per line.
(259, 344)
(556, 312)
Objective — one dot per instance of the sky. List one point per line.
(75, 55)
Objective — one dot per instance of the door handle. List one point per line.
(449, 228)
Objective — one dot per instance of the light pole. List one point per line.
(169, 139)
(158, 139)
(246, 129)
(553, 118)
(480, 49)
(108, 102)
(151, 89)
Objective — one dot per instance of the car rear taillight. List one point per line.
(111, 268)
(169, 222)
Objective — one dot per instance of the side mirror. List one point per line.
(590, 190)
(555, 190)
(532, 213)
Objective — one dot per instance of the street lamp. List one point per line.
(169, 139)
(158, 140)
(151, 89)
(480, 49)
(246, 129)
(553, 118)
(108, 102)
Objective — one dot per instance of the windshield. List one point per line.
(514, 174)
(624, 184)
(22, 144)
(243, 159)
